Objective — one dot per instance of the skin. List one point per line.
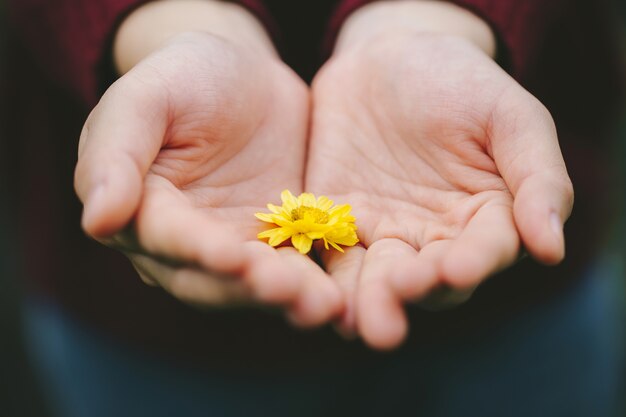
(449, 164)
(181, 151)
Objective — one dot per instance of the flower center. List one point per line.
(312, 213)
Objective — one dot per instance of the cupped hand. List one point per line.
(450, 167)
(178, 156)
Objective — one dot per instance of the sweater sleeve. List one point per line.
(519, 25)
(71, 39)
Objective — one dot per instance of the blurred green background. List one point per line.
(19, 392)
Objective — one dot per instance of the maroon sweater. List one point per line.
(59, 64)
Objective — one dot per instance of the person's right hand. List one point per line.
(449, 164)
(178, 156)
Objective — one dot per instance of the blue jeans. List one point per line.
(565, 358)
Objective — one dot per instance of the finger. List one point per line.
(444, 298)
(381, 318)
(147, 279)
(121, 138)
(269, 277)
(488, 244)
(344, 269)
(526, 151)
(421, 272)
(542, 205)
(192, 286)
(168, 225)
(319, 298)
(425, 286)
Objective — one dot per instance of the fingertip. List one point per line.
(333, 298)
(556, 224)
(548, 245)
(460, 271)
(413, 278)
(488, 244)
(381, 319)
(92, 211)
(344, 270)
(542, 205)
(109, 209)
(318, 303)
(273, 284)
(541, 230)
(385, 335)
(112, 196)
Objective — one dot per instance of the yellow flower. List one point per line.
(305, 219)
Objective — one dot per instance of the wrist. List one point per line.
(383, 18)
(153, 24)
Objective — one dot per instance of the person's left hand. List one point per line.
(178, 156)
(449, 165)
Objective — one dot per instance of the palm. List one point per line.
(217, 146)
(230, 165)
(402, 131)
(204, 134)
(410, 175)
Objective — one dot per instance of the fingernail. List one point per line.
(556, 224)
(92, 204)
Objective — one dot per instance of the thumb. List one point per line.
(118, 144)
(526, 151)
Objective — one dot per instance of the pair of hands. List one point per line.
(449, 166)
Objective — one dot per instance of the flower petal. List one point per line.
(340, 211)
(306, 218)
(334, 245)
(283, 222)
(324, 203)
(266, 217)
(315, 234)
(302, 243)
(274, 209)
(306, 199)
(289, 200)
(267, 233)
(276, 236)
(347, 240)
